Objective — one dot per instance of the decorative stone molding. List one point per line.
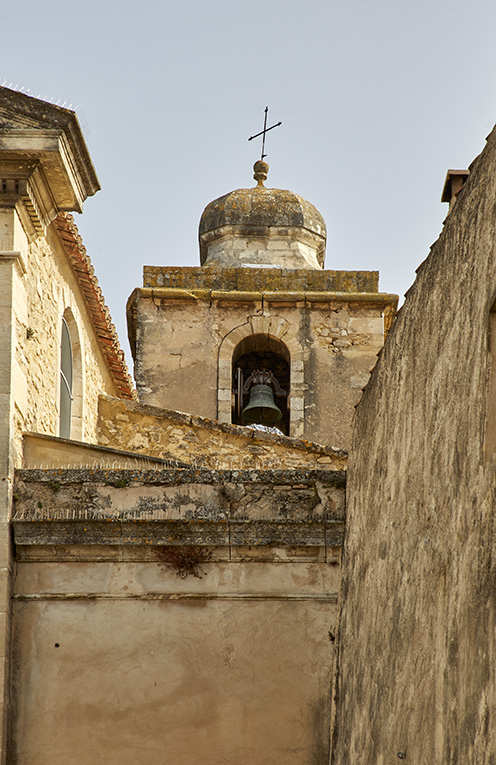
(16, 257)
(234, 509)
(277, 328)
(45, 166)
(23, 186)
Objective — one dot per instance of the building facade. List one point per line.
(171, 554)
(170, 591)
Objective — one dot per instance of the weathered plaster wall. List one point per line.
(417, 639)
(197, 440)
(130, 682)
(47, 289)
(343, 342)
(117, 659)
(176, 363)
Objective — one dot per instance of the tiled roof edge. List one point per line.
(104, 329)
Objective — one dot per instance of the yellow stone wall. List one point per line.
(123, 653)
(185, 346)
(191, 439)
(41, 296)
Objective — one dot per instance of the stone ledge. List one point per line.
(258, 279)
(331, 597)
(137, 554)
(124, 478)
(229, 508)
(216, 533)
(168, 295)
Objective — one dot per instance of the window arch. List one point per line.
(70, 397)
(65, 381)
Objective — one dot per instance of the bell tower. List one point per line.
(259, 335)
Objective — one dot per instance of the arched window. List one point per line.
(71, 379)
(66, 372)
(261, 353)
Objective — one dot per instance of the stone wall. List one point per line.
(267, 279)
(42, 451)
(36, 287)
(197, 440)
(415, 666)
(181, 615)
(46, 290)
(45, 275)
(185, 332)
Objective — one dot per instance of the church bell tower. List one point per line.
(260, 334)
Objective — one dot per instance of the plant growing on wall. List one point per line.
(185, 560)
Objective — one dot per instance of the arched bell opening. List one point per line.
(261, 380)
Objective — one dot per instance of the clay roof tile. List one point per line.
(105, 331)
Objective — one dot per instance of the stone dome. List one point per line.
(261, 226)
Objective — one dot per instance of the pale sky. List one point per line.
(377, 99)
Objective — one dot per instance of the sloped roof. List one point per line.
(105, 331)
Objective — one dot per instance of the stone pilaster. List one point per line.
(12, 271)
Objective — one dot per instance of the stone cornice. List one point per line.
(232, 508)
(33, 131)
(47, 161)
(255, 279)
(13, 257)
(387, 302)
(23, 185)
(171, 293)
(207, 533)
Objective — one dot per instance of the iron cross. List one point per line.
(263, 132)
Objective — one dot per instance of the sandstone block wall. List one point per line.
(196, 440)
(42, 294)
(415, 667)
(182, 333)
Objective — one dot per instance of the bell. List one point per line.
(261, 407)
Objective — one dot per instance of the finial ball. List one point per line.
(260, 171)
